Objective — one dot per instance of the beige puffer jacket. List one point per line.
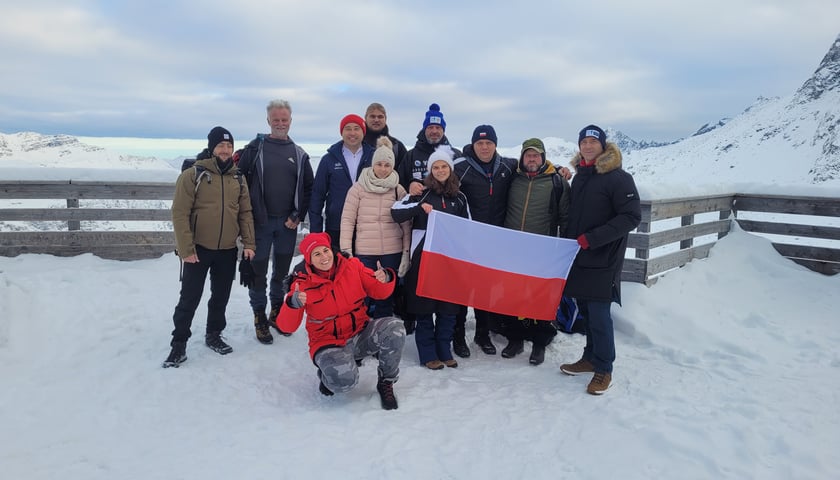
(369, 215)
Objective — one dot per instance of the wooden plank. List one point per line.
(634, 270)
(87, 238)
(822, 206)
(85, 214)
(666, 237)
(790, 229)
(670, 208)
(685, 221)
(677, 259)
(807, 252)
(87, 190)
(826, 268)
(114, 252)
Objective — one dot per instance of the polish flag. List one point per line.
(493, 268)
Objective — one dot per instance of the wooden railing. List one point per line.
(680, 241)
(672, 232)
(72, 240)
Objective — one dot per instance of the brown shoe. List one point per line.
(261, 327)
(451, 363)
(434, 364)
(599, 384)
(578, 368)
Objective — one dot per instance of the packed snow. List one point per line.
(726, 368)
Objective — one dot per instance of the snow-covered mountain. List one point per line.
(34, 156)
(789, 140)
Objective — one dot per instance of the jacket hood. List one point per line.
(607, 161)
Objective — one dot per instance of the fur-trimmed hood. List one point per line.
(607, 161)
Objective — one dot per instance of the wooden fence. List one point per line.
(658, 249)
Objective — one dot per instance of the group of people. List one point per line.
(368, 205)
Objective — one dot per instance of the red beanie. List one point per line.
(353, 118)
(311, 241)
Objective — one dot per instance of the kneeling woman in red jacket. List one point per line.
(331, 289)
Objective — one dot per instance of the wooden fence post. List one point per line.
(73, 224)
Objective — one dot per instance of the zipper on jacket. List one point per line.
(221, 213)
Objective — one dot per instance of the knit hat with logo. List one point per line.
(595, 132)
(217, 136)
(434, 117)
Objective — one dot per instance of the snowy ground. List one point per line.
(727, 368)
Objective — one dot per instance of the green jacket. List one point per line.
(212, 212)
(533, 203)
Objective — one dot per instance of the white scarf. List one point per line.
(371, 183)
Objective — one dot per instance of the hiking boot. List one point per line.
(434, 364)
(578, 368)
(537, 355)
(261, 326)
(599, 384)
(324, 390)
(177, 355)
(215, 342)
(452, 363)
(386, 394)
(460, 348)
(513, 348)
(272, 320)
(485, 344)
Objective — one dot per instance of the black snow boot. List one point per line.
(537, 355)
(215, 342)
(513, 348)
(177, 355)
(324, 390)
(386, 394)
(460, 348)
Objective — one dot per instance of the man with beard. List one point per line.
(538, 202)
(414, 168)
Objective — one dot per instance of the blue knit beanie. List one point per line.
(595, 132)
(434, 117)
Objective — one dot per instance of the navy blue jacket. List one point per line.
(487, 194)
(332, 180)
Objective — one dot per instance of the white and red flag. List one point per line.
(493, 268)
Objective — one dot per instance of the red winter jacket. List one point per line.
(335, 309)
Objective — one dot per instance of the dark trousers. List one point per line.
(538, 331)
(600, 336)
(434, 337)
(222, 267)
(335, 239)
(484, 322)
(384, 307)
(271, 238)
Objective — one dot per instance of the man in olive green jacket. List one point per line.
(211, 209)
(538, 202)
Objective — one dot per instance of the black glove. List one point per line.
(246, 273)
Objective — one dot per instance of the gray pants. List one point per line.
(337, 365)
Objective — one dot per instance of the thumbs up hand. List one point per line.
(299, 296)
(381, 274)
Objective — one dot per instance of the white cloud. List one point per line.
(658, 70)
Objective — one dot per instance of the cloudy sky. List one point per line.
(655, 70)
